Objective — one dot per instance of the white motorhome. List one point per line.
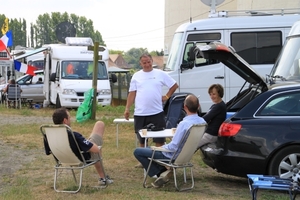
(287, 66)
(64, 87)
(257, 37)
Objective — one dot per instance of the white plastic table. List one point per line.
(157, 134)
(121, 121)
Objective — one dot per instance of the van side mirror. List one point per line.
(113, 78)
(190, 60)
(53, 77)
(188, 65)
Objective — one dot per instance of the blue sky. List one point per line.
(122, 24)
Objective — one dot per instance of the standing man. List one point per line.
(145, 92)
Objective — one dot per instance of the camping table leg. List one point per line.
(30, 103)
(117, 135)
(117, 122)
(23, 101)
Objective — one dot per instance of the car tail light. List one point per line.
(227, 129)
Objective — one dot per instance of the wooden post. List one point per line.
(95, 78)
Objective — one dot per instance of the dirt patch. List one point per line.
(12, 158)
(24, 120)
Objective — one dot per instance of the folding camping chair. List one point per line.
(182, 157)
(272, 183)
(173, 109)
(57, 137)
(13, 96)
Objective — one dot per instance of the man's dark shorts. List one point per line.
(141, 121)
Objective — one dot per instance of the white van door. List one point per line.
(204, 73)
(198, 80)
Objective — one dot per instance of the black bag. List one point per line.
(152, 127)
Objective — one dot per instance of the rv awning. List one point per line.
(31, 53)
(116, 69)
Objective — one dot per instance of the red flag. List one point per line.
(2, 46)
(30, 70)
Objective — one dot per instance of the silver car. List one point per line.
(31, 88)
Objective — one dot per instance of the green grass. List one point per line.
(32, 177)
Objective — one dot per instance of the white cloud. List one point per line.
(122, 24)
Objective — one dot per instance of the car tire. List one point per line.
(286, 163)
(58, 105)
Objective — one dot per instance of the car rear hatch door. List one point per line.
(227, 55)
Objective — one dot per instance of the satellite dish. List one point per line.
(63, 30)
(212, 4)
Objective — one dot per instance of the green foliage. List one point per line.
(157, 53)
(46, 34)
(132, 57)
(116, 52)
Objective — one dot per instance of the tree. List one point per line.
(46, 35)
(116, 52)
(43, 29)
(31, 36)
(132, 57)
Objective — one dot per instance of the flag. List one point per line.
(7, 39)
(27, 69)
(4, 28)
(2, 46)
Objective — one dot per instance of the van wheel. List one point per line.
(58, 105)
(286, 163)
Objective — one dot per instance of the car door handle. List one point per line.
(219, 77)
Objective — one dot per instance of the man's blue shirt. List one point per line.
(182, 127)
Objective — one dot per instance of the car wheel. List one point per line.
(286, 163)
(58, 105)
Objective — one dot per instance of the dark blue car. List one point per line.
(263, 136)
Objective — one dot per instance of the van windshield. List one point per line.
(82, 70)
(287, 67)
(174, 52)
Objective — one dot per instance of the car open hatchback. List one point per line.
(263, 136)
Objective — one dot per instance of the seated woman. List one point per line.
(215, 115)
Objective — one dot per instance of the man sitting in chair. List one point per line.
(191, 106)
(90, 145)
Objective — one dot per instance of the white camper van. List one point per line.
(287, 66)
(68, 73)
(257, 37)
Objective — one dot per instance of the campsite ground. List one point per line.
(27, 173)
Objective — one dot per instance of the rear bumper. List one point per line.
(232, 163)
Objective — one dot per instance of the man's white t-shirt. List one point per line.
(148, 87)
